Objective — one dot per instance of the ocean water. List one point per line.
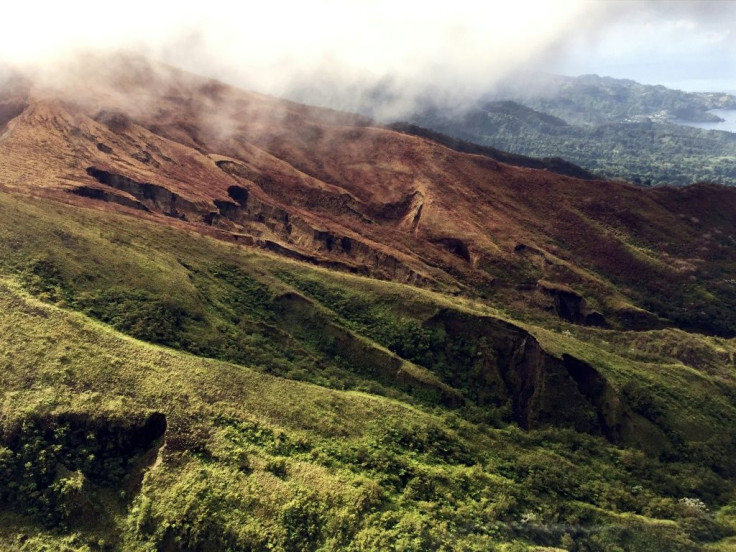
(725, 86)
(729, 125)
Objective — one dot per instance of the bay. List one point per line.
(728, 125)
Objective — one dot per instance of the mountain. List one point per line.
(641, 150)
(233, 322)
(615, 128)
(591, 100)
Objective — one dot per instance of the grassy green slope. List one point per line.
(375, 453)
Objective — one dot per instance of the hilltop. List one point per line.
(591, 100)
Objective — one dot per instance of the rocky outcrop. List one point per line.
(398, 210)
(239, 170)
(243, 212)
(245, 208)
(498, 364)
(239, 195)
(455, 246)
(110, 197)
(330, 200)
(155, 198)
(570, 305)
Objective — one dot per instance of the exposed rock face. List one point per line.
(109, 196)
(153, 197)
(243, 210)
(571, 306)
(455, 246)
(510, 368)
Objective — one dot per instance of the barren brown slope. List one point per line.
(330, 188)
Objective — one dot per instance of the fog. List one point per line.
(454, 49)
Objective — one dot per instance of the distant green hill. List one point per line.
(615, 128)
(590, 100)
(645, 152)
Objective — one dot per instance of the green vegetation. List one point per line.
(166, 391)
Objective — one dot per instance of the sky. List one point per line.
(458, 45)
(691, 44)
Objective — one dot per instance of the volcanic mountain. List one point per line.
(333, 189)
(414, 283)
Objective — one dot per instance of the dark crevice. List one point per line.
(593, 386)
(417, 217)
(455, 246)
(397, 210)
(104, 452)
(104, 195)
(571, 306)
(238, 194)
(497, 364)
(154, 197)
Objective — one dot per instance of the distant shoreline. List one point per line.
(728, 125)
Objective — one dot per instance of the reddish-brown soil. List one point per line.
(332, 188)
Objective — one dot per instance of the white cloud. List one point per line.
(271, 41)
(460, 44)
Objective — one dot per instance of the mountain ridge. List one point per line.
(347, 209)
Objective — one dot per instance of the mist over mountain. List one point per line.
(461, 49)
